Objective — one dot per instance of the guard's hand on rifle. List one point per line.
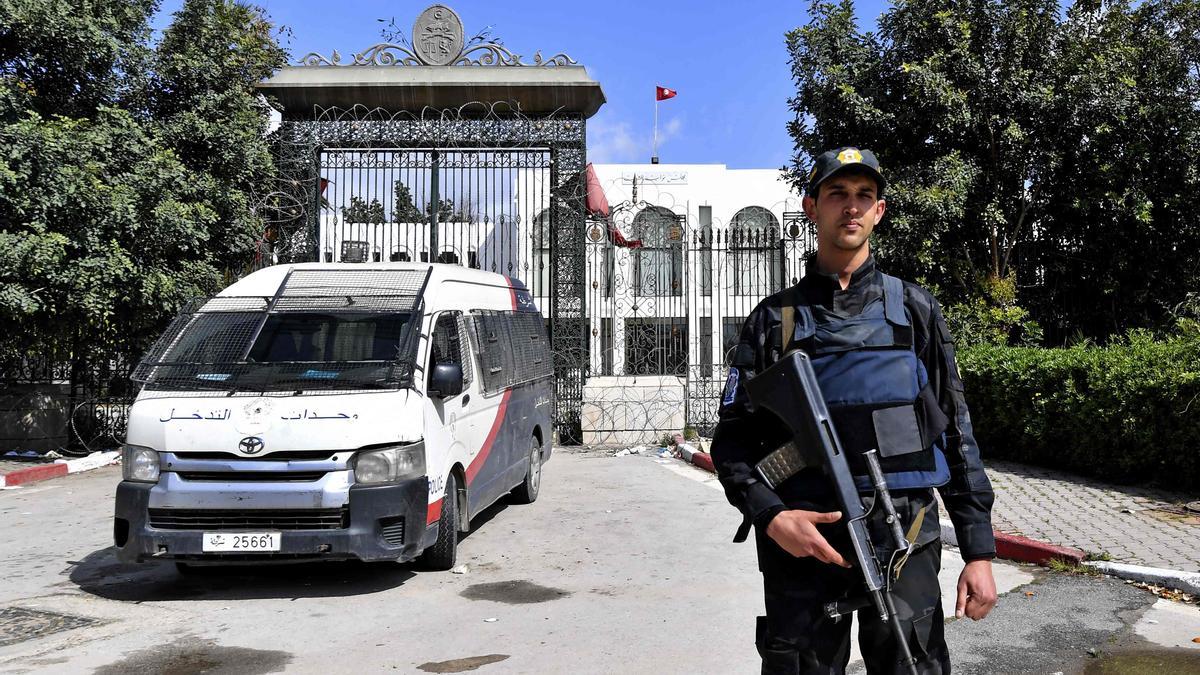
(796, 532)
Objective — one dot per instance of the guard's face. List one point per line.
(845, 211)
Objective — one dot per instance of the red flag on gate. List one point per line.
(662, 93)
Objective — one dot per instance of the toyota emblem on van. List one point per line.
(251, 445)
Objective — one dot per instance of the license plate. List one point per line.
(241, 542)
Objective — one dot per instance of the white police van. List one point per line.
(336, 411)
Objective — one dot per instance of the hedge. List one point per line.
(1127, 412)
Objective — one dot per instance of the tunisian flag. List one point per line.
(662, 93)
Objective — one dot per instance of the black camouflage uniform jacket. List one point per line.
(745, 435)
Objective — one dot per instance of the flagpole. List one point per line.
(654, 155)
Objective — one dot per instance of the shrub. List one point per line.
(1126, 412)
(992, 316)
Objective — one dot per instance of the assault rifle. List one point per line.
(789, 389)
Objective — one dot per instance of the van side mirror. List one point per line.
(446, 380)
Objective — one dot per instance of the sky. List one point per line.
(726, 59)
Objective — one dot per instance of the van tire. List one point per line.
(527, 491)
(444, 552)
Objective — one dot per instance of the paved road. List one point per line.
(608, 572)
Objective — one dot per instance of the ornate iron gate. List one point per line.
(493, 209)
(435, 174)
(361, 185)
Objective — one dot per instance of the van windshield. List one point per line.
(342, 328)
(260, 351)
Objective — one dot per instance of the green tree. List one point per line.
(68, 59)
(203, 101)
(123, 192)
(1012, 137)
(405, 211)
(1117, 246)
(447, 213)
(360, 212)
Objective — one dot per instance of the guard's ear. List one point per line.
(810, 207)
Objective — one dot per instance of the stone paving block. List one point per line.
(1065, 509)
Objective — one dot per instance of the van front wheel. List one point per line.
(442, 555)
(527, 491)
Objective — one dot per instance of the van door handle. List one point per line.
(466, 399)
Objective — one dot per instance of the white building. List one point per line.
(692, 248)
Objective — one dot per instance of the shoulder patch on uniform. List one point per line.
(731, 385)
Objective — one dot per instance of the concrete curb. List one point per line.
(1188, 582)
(1023, 549)
(1008, 546)
(60, 467)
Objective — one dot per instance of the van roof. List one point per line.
(266, 281)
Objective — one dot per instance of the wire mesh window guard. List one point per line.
(447, 345)
(327, 329)
(513, 348)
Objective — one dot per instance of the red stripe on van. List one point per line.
(512, 291)
(477, 463)
(435, 512)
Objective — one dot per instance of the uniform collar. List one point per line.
(830, 282)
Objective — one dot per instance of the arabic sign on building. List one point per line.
(655, 177)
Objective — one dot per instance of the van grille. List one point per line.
(253, 476)
(270, 519)
(293, 455)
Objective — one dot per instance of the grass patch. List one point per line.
(1064, 567)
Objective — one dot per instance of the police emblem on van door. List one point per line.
(251, 445)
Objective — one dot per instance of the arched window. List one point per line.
(755, 258)
(658, 264)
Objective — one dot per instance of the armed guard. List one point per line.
(885, 363)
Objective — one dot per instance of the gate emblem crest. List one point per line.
(438, 35)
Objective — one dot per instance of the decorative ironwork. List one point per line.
(669, 301)
(74, 405)
(437, 40)
(501, 175)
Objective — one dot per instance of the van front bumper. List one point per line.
(374, 522)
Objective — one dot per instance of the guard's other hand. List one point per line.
(976, 590)
(796, 532)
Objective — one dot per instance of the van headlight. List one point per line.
(388, 465)
(139, 464)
